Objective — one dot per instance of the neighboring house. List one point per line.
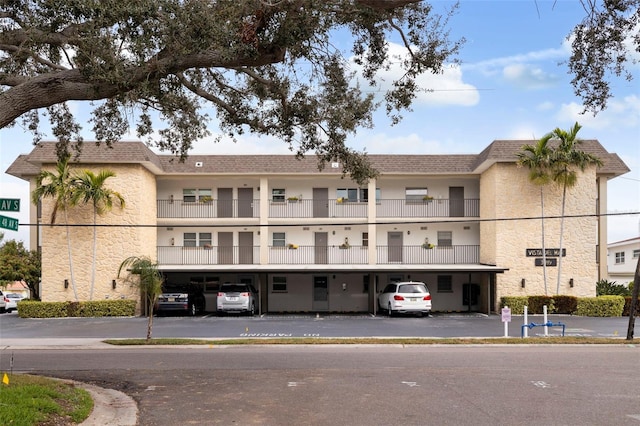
(313, 241)
(622, 260)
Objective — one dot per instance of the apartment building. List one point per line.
(313, 241)
(622, 260)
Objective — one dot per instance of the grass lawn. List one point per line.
(33, 400)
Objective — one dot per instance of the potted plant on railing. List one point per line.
(294, 199)
(206, 199)
(340, 200)
(346, 244)
(292, 246)
(427, 245)
(427, 198)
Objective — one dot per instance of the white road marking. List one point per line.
(541, 384)
(410, 384)
(634, 416)
(294, 384)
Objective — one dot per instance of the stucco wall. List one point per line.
(118, 237)
(506, 193)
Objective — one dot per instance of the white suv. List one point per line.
(405, 297)
(238, 298)
(3, 303)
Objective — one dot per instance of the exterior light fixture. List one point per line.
(113, 284)
(522, 283)
(571, 283)
(66, 283)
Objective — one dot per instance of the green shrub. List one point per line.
(565, 304)
(611, 288)
(96, 308)
(536, 304)
(602, 306)
(515, 303)
(627, 307)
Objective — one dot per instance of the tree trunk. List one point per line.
(634, 301)
(95, 249)
(73, 280)
(564, 198)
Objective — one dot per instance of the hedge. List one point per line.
(601, 306)
(94, 308)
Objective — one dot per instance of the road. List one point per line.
(336, 384)
(359, 384)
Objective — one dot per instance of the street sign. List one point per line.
(9, 204)
(8, 223)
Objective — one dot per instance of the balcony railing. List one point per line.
(335, 208)
(319, 255)
(209, 209)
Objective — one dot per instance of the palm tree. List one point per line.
(89, 188)
(144, 273)
(566, 159)
(59, 186)
(538, 159)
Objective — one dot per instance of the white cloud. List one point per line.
(528, 76)
(494, 65)
(624, 112)
(447, 88)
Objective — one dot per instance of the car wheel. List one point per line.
(252, 312)
(389, 310)
(193, 310)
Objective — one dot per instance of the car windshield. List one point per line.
(234, 288)
(412, 288)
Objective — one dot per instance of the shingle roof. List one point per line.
(139, 153)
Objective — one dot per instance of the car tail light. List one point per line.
(427, 297)
(220, 294)
(244, 294)
(398, 297)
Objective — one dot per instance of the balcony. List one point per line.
(336, 208)
(319, 255)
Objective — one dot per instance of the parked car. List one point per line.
(12, 300)
(180, 302)
(237, 298)
(3, 303)
(405, 297)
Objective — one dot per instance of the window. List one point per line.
(279, 239)
(636, 253)
(189, 239)
(205, 239)
(445, 284)
(365, 239)
(192, 195)
(354, 195)
(189, 195)
(279, 284)
(445, 239)
(619, 257)
(278, 195)
(415, 195)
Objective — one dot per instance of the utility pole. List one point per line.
(634, 301)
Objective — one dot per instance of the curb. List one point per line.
(110, 407)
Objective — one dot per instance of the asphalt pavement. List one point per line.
(116, 408)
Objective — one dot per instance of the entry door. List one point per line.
(320, 202)
(395, 246)
(456, 201)
(321, 247)
(245, 202)
(225, 202)
(320, 294)
(245, 247)
(225, 248)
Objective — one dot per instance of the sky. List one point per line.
(513, 83)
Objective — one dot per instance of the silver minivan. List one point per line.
(237, 298)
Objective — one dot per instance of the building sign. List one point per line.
(550, 262)
(550, 252)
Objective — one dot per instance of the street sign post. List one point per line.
(8, 223)
(9, 204)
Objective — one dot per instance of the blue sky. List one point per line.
(511, 85)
